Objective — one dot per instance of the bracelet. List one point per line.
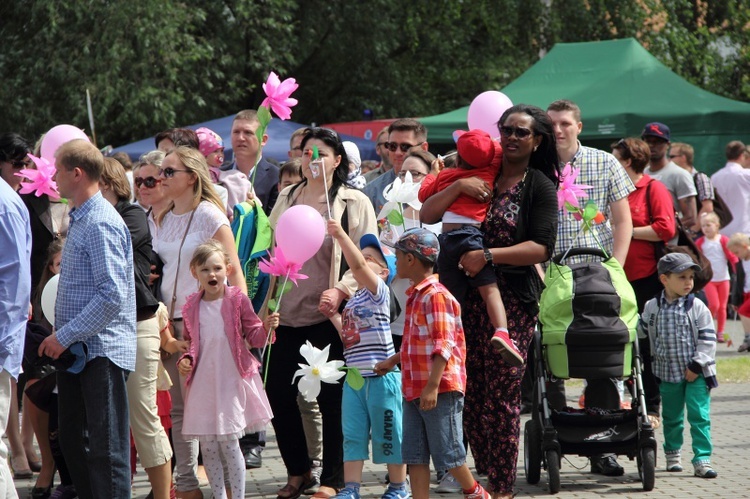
(632, 236)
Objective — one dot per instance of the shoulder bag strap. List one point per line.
(177, 272)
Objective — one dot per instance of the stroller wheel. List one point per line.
(647, 467)
(532, 451)
(553, 470)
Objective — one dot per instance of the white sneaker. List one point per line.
(674, 463)
(704, 470)
(448, 485)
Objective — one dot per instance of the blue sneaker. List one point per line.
(391, 493)
(347, 493)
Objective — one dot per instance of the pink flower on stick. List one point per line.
(569, 191)
(277, 95)
(40, 180)
(278, 265)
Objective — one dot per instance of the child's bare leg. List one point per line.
(353, 471)
(420, 480)
(463, 476)
(501, 341)
(494, 303)
(396, 473)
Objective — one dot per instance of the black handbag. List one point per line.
(685, 244)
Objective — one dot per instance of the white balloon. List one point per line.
(49, 296)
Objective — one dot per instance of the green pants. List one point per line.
(675, 397)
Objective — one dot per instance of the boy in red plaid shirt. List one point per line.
(432, 369)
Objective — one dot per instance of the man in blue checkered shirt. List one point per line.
(683, 345)
(95, 306)
(610, 188)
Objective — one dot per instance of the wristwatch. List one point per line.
(488, 255)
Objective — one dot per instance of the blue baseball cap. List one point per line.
(371, 241)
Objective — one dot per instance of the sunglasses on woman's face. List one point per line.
(169, 172)
(520, 133)
(148, 182)
(19, 164)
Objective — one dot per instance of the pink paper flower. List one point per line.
(277, 95)
(569, 191)
(278, 265)
(40, 180)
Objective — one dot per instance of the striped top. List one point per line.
(366, 331)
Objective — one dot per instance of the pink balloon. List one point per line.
(56, 137)
(485, 111)
(299, 233)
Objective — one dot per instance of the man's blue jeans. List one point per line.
(94, 429)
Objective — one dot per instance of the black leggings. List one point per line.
(282, 395)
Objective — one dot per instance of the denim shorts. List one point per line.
(453, 245)
(437, 433)
(374, 410)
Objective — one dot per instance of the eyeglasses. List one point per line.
(381, 144)
(169, 172)
(621, 144)
(148, 182)
(405, 147)
(520, 133)
(414, 175)
(672, 156)
(19, 165)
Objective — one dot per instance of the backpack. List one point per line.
(252, 238)
(720, 207)
(588, 317)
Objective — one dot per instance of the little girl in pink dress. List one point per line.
(224, 397)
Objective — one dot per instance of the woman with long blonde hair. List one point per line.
(194, 215)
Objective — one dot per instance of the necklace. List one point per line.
(58, 230)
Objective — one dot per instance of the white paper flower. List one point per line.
(400, 192)
(317, 369)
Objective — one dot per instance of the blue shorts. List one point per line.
(437, 433)
(376, 409)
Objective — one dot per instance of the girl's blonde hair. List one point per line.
(711, 217)
(740, 239)
(204, 251)
(203, 188)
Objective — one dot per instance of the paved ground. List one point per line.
(731, 437)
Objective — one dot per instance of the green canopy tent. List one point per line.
(620, 87)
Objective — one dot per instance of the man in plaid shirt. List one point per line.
(433, 367)
(610, 188)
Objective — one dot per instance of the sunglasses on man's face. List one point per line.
(148, 182)
(405, 147)
(520, 133)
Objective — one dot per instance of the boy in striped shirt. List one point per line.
(365, 331)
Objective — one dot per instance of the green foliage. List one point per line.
(153, 64)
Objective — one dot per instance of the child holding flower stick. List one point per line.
(365, 331)
(225, 397)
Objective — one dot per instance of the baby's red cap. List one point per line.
(476, 148)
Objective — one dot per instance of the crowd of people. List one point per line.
(160, 319)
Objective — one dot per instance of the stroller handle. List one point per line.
(579, 251)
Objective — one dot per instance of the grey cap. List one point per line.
(674, 263)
